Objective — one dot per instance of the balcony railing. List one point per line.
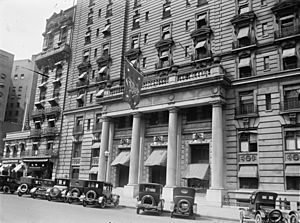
(35, 132)
(37, 113)
(291, 103)
(52, 111)
(287, 31)
(78, 129)
(82, 83)
(95, 161)
(246, 109)
(102, 78)
(41, 153)
(50, 131)
(240, 44)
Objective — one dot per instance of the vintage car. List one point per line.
(149, 198)
(26, 184)
(75, 190)
(262, 209)
(59, 190)
(183, 202)
(8, 184)
(40, 191)
(294, 217)
(97, 192)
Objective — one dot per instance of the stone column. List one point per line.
(135, 149)
(110, 148)
(141, 155)
(172, 149)
(216, 191)
(103, 148)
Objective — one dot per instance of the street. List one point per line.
(28, 210)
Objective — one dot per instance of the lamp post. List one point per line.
(106, 154)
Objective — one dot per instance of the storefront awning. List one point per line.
(248, 172)
(157, 158)
(292, 171)
(82, 76)
(19, 167)
(96, 145)
(103, 70)
(244, 62)
(93, 170)
(35, 160)
(80, 97)
(100, 93)
(289, 53)
(243, 32)
(107, 27)
(122, 159)
(196, 171)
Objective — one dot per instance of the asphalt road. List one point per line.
(14, 209)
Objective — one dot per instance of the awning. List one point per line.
(18, 167)
(244, 62)
(93, 170)
(201, 44)
(81, 76)
(243, 32)
(58, 63)
(80, 97)
(158, 157)
(56, 80)
(292, 170)
(35, 160)
(196, 171)
(37, 121)
(289, 53)
(100, 93)
(107, 26)
(286, 17)
(86, 53)
(201, 17)
(51, 120)
(122, 159)
(88, 34)
(96, 145)
(42, 85)
(103, 70)
(248, 172)
(164, 54)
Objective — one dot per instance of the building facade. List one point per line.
(35, 152)
(6, 64)
(22, 92)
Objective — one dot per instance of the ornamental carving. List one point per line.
(247, 158)
(292, 157)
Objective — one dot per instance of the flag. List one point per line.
(133, 85)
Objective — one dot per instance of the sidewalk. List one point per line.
(225, 213)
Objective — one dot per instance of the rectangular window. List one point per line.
(95, 52)
(201, 20)
(88, 37)
(248, 142)
(243, 6)
(105, 49)
(199, 153)
(248, 183)
(77, 149)
(99, 13)
(264, 29)
(97, 32)
(186, 51)
(166, 10)
(134, 42)
(263, 2)
(266, 63)
(244, 67)
(188, 3)
(86, 56)
(187, 25)
(20, 88)
(201, 2)
(289, 58)
(147, 16)
(268, 102)
(291, 98)
(293, 183)
(246, 100)
(88, 124)
(166, 32)
(136, 22)
(79, 121)
(109, 10)
(292, 140)
(22, 76)
(16, 76)
(144, 62)
(146, 38)
(75, 173)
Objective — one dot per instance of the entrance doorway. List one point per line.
(123, 175)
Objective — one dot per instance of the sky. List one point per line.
(22, 23)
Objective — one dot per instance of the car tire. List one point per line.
(23, 188)
(258, 218)
(138, 211)
(293, 218)
(19, 194)
(84, 203)
(102, 204)
(6, 189)
(241, 216)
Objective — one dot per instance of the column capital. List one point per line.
(106, 119)
(217, 102)
(137, 114)
(173, 110)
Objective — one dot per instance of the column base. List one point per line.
(167, 195)
(131, 191)
(214, 197)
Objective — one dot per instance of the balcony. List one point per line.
(50, 131)
(291, 104)
(244, 44)
(97, 127)
(78, 130)
(287, 31)
(37, 114)
(246, 110)
(41, 153)
(82, 83)
(95, 161)
(53, 111)
(102, 78)
(35, 133)
(55, 54)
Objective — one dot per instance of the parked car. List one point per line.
(183, 202)
(149, 198)
(97, 192)
(75, 190)
(26, 184)
(59, 190)
(8, 184)
(294, 216)
(40, 191)
(262, 209)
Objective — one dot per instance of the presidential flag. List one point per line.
(133, 85)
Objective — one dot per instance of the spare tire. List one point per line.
(91, 195)
(148, 199)
(23, 188)
(275, 216)
(75, 192)
(184, 205)
(54, 192)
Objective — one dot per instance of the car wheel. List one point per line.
(293, 219)
(84, 203)
(138, 211)
(102, 204)
(241, 216)
(6, 189)
(258, 218)
(19, 194)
